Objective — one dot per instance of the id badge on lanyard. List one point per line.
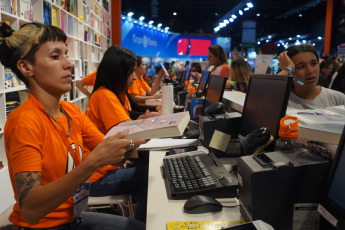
(81, 196)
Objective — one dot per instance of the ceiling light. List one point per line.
(319, 38)
(245, 9)
(141, 18)
(300, 15)
(290, 39)
(258, 15)
(231, 19)
(226, 21)
(159, 25)
(233, 16)
(240, 12)
(150, 22)
(250, 5)
(174, 13)
(167, 28)
(130, 14)
(298, 35)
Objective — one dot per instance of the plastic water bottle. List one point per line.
(191, 94)
(288, 133)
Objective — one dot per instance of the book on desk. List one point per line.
(167, 125)
(322, 125)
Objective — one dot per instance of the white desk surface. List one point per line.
(236, 99)
(160, 209)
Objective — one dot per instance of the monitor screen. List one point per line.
(193, 46)
(332, 206)
(265, 103)
(203, 80)
(215, 90)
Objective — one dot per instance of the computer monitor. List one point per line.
(184, 76)
(332, 205)
(265, 103)
(215, 90)
(203, 80)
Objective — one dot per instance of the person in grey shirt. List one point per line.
(302, 62)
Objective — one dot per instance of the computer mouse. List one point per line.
(256, 141)
(201, 204)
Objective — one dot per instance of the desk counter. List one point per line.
(160, 209)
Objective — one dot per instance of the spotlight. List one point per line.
(250, 5)
(130, 14)
(141, 18)
(150, 22)
(159, 25)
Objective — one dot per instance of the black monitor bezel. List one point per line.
(325, 203)
(207, 103)
(289, 82)
(204, 78)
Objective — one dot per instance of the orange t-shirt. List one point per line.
(225, 72)
(139, 87)
(90, 79)
(105, 111)
(34, 145)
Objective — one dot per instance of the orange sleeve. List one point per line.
(136, 88)
(105, 110)
(225, 72)
(90, 79)
(144, 85)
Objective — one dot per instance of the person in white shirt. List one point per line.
(302, 62)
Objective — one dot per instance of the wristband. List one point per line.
(289, 69)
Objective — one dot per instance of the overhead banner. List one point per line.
(146, 41)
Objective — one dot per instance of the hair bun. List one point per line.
(5, 30)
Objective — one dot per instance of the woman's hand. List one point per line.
(112, 149)
(149, 114)
(285, 61)
(156, 96)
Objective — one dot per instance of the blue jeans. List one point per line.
(125, 180)
(98, 221)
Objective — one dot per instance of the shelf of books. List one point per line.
(87, 25)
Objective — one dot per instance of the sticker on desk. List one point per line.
(202, 225)
(220, 140)
(306, 216)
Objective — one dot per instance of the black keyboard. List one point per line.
(193, 132)
(186, 175)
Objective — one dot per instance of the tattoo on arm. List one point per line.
(25, 181)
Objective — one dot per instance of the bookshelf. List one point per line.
(87, 25)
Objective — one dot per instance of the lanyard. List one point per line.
(75, 154)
